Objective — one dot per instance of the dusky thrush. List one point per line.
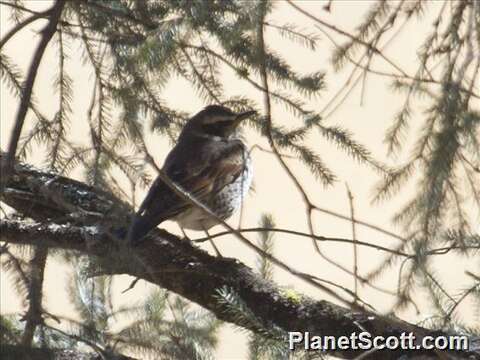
(211, 163)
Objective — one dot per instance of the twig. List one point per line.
(210, 273)
(262, 149)
(239, 72)
(132, 285)
(93, 345)
(459, 301)
(267, 104)
(468, 162)
(215, 248)
(21, 25)
(18, 7)
(360, 222)
(472, 275)
(185, 196)
(47, 34)
(350, 36)
(354, 237)
(111, 11)
(316, 237)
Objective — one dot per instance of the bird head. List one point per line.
(216, 121)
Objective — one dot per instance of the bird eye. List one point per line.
(217, 128)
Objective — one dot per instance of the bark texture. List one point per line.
(70, 215)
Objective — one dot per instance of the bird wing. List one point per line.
(202, 178)
(199, 178)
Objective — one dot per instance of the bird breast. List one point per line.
(223, 204)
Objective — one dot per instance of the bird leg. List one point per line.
(184, 233)
(213, 244)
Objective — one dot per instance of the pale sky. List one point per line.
(274, 192)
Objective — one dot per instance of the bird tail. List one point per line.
(139, 227)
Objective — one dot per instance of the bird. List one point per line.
(211, 163)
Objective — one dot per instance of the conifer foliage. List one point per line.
(133, 49)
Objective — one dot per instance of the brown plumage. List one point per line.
(210, 163)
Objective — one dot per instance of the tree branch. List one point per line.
(47, 34)
(8, 351)
(20, 26)
(176, 264)
(33, 317)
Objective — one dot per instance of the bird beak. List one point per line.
(244, 115)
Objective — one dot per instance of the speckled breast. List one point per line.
(224, 203)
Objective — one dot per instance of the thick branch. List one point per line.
(176, 264)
